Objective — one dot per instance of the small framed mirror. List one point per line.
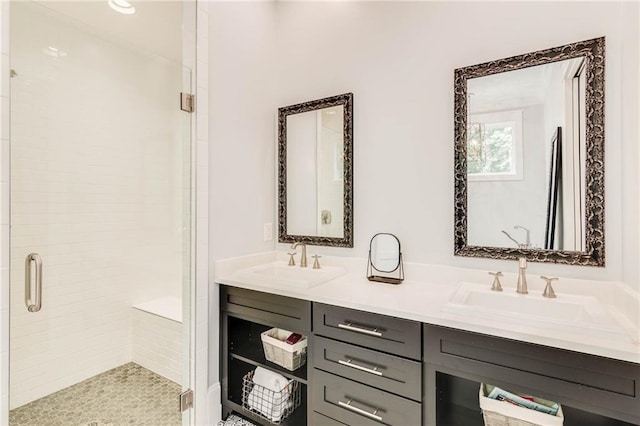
(385, 259)
(529, 156)
(315, 172)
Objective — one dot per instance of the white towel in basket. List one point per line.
(271, 397)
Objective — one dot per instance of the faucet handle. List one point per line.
(292, 261)
(316, 263)
(548, 290)
(495, 286)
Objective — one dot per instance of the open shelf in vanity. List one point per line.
(245, 346)
(457, 404)
(237, 370)
(245, 315)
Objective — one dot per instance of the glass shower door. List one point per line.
(100, 226)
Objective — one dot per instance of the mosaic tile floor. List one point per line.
(127, 395)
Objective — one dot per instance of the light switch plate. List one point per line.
(268, 231)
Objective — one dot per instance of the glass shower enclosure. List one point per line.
(100, 225)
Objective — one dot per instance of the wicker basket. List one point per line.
(268, 404)
(502, 413)
(285, 355)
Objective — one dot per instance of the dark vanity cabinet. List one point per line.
(370, 369)
(245, 314)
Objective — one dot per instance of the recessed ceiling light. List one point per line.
(54, 52)
(122, 6)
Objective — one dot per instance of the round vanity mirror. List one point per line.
(385, 252)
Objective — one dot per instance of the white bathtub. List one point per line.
(157, 336)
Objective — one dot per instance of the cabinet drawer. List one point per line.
(356, 404)
(318, 419)
(380, 332)
(388, 372)
(278, 311)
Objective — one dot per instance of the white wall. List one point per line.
(242, 126)
(97, 157)
(398, 60)
(630, 86)
(5, 162)
(197, 38)
(242, 141)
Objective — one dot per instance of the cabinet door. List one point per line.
(265, 308)
(383, 371)
(356, 404)
(388, 334)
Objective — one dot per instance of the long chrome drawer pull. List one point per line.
(33, 306)
(349, 363)
(350, 327)
(348, 406)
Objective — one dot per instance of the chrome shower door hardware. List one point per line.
(187, 102)
(37, 305)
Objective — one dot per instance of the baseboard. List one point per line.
(214, 405)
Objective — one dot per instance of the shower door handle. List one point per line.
(33, 306)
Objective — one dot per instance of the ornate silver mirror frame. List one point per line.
(594, 251)
(346, 240)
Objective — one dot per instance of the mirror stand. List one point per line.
(385, 259)
(382, 278)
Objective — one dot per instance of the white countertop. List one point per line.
(427, 289)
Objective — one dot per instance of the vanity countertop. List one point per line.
(424, 295)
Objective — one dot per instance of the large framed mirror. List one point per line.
(315, 172)
(529, 156)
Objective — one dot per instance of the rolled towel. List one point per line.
(271, 395)
(269, 379)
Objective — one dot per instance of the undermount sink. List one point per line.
(282, 273)
(567, 313)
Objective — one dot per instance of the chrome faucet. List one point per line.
(522, 276)
(303, 256)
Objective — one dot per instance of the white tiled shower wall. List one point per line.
(157, 343)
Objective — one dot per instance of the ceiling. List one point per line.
(155, 27)
(516, 89)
